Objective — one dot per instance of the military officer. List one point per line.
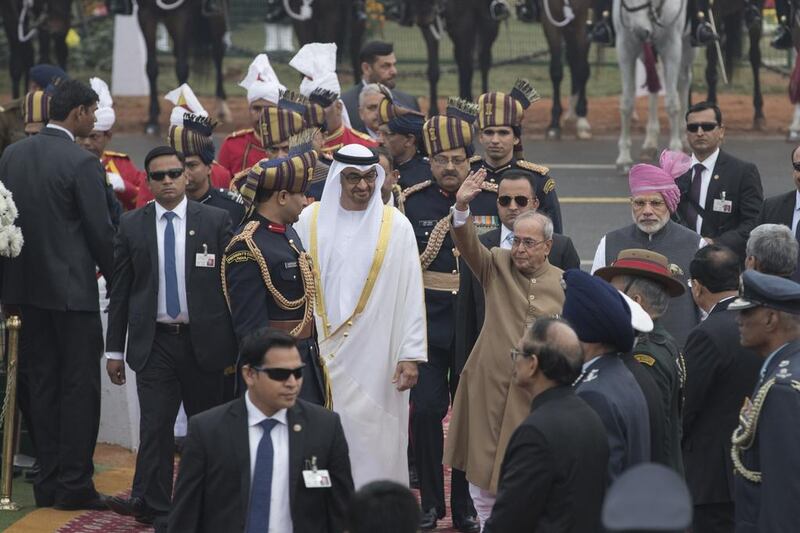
(500, 126)
(645, 276)
(35, 112)
(266, 273)
(401, 132)
(427, 205)
(764, 453)
(242, 149)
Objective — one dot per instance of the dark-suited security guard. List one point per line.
(401, 134)
(764, 452)
(193, 140)
(500, 126)
(266, 273)
(427, 205)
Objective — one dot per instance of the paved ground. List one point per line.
(594, 196)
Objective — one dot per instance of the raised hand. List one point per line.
(470, 189)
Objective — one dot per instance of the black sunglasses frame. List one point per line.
(505, 201)
(281, 374)
(159, 175)
(705, 126)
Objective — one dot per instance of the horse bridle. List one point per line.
(654, 13)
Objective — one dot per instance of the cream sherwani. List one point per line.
(362, 351)
(488, 408)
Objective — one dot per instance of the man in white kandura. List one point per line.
(370, 311)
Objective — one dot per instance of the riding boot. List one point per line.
(603, 31)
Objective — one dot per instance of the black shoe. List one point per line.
(602, 33)
(467, 524)
(752, 16)
(704, 35)
(96, 503)
(782, 39)
(429, 520)
(135, 507)
(528, 11)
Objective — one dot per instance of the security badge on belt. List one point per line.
(314, 478)
(721, 205)
(205, 260)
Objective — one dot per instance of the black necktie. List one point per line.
(796, 275)
(694, 194)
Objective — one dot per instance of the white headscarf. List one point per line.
(344, 271)
(261, 81)
(104, 116)
(185, 102)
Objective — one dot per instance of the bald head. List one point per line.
(557, 347)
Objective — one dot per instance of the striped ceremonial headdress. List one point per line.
(501, 109)
(292, 173)
(36, 107)
(193, 137)
(277, 124)
(453, 130)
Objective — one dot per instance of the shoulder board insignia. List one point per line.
(416, 188)
(361, 135)
(232, 195)
(474, 159)
(527, 165)
(645, 359)
(240, 256)
(116, 154)
(592, 375)
(549, 186)
(489, 187)
(239, 133)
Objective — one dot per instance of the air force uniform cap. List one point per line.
(764, 290)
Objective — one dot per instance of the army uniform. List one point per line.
(404, 121)
(415, 170)
(241, 150)
(658, 352)
(134, 178)
(12, 125)
(225, 199)
(344, 136)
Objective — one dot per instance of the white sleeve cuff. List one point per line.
(115, 356)
(460, 217)
(117, 183)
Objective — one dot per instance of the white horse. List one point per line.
(662, 23)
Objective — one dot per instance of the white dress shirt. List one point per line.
(61, 128)
(708, 163)
(796, 212)
(506, 236)
(280, 513)
(460, 218)
(179, 226)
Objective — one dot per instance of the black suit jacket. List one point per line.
(212, 491)
(134, 296)
(741, 183)
(470, 305)
(719, 374)
(350, 99)
(778, 209)
(554, 472)
(59, 190)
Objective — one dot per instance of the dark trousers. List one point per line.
(430, 399)
(170, 376)
(713, 518)
(59, 364)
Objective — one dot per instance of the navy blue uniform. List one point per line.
(252, 304)
(317, 184)
(230, 201)
(612, 391)
(545, 185)
(415, 170)
(770, 504)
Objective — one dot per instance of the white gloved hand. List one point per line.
(116, 181)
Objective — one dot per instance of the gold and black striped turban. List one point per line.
(454, 130)
(193, 137)
(277, 124)
(501, 109)
(36, 107)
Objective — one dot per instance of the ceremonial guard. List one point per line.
(401, 134)
(266, 273)
(765, 459)
(500, 125)
(242, 149)
(121, 174)
(35, 112)
(427, 205)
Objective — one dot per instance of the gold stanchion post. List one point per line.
(9, 415)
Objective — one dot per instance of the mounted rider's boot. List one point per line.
(602, 31)
(528, 10)
(783, 36)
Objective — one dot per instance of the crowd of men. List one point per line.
(324, 289)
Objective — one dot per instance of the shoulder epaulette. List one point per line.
(116, 154)
(415, 188)
(645, 359)
(232, 195)
(474, 159)
(239, 133)
(362, 135)
(527, 165)
(489, 187)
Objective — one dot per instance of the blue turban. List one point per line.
(46, 75)
(597, 311)
(410, 124)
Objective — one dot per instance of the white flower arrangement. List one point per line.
(11, 240)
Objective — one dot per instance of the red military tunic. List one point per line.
(132, 177)
(344, 136)
(220, 179)
(241, 150)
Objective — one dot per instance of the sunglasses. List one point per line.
(281, 374)
(353, 179)
(705, 126)
(505, 201)
(159, 175)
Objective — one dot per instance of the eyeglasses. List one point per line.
(354, 179)
(517, 354)
(159, 175)
(445, 161)
(505, 201)
(655, 204)
(705, 126)
(796, 165)
(526, 243)
(281, 374)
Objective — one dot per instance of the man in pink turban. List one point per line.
(654, 197)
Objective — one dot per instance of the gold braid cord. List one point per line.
(743, 435)
(401, 201)
(306, 274)
(435, 242)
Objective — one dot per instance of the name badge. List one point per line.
(317, 479)
(723, 206)
(205, 259)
